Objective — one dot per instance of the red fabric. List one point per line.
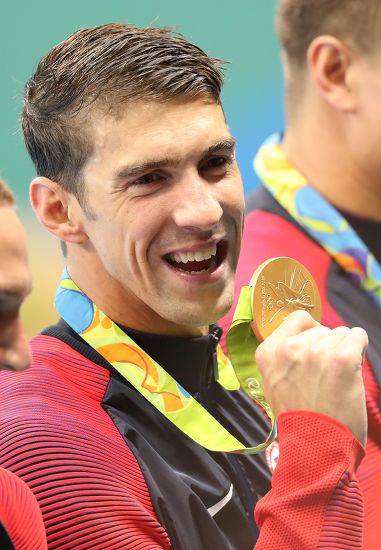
(267, 235)
(369, 472)
(20, 514)
(57, 437)
(343, 517)
(90, 488)
(318, 459)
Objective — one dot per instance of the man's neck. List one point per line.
(119, 304)
(318, 149)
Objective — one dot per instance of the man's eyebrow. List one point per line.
(131, 170)
(223, 145)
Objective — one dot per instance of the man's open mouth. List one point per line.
(201, 261)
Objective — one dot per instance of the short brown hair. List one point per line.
(105, 67)
(6, 195)
(298, 22)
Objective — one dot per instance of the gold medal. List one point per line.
(279, 287)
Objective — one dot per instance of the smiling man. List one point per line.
(167, 259)
(138, 436)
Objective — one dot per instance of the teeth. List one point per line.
(198, 272)
(199, 256)
(194, 272)
(188, 257)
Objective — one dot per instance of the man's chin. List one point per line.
(204, 318)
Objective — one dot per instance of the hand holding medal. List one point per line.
(303, 364)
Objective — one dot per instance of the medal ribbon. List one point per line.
(153, 382)
(319, 218)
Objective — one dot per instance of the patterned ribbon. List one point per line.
(320, 219)
(153, 382)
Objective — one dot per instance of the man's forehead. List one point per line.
(156, 125)
(149, 133)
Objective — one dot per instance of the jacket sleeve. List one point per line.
(315, 501)
(21, 522)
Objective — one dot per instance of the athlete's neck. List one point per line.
(316, 143)
(117, 302)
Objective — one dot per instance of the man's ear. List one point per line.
(57, 210)
(330, 63)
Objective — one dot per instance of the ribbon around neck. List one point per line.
(158, 386)
(242, 344)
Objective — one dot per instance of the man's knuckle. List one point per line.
(288, 350)
(301, 316)
(261, 355)
(360, 334)
(314, 351)
(343, 359)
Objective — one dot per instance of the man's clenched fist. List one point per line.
(307, 366)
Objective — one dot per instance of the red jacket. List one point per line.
(109, 471)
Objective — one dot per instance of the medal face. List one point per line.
(279, 287)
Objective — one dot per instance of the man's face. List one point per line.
(167, 199)
(15, 284)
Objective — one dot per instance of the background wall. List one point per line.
(241, 32)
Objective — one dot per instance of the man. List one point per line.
(21, 524)
(132, 410)
(320, 200)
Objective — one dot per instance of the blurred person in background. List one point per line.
(21, 526)
(126, 417)
(15, 285)
(320, 198)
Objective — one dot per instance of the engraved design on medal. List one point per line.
(281, 286)
(295, 292)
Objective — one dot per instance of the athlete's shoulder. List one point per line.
(53, 408)
(58, 379)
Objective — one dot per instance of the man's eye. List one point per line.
(216, 162)
(147, 179)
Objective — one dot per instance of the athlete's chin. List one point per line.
(204, 313)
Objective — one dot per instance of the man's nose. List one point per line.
(15, 353)
(197, 205)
